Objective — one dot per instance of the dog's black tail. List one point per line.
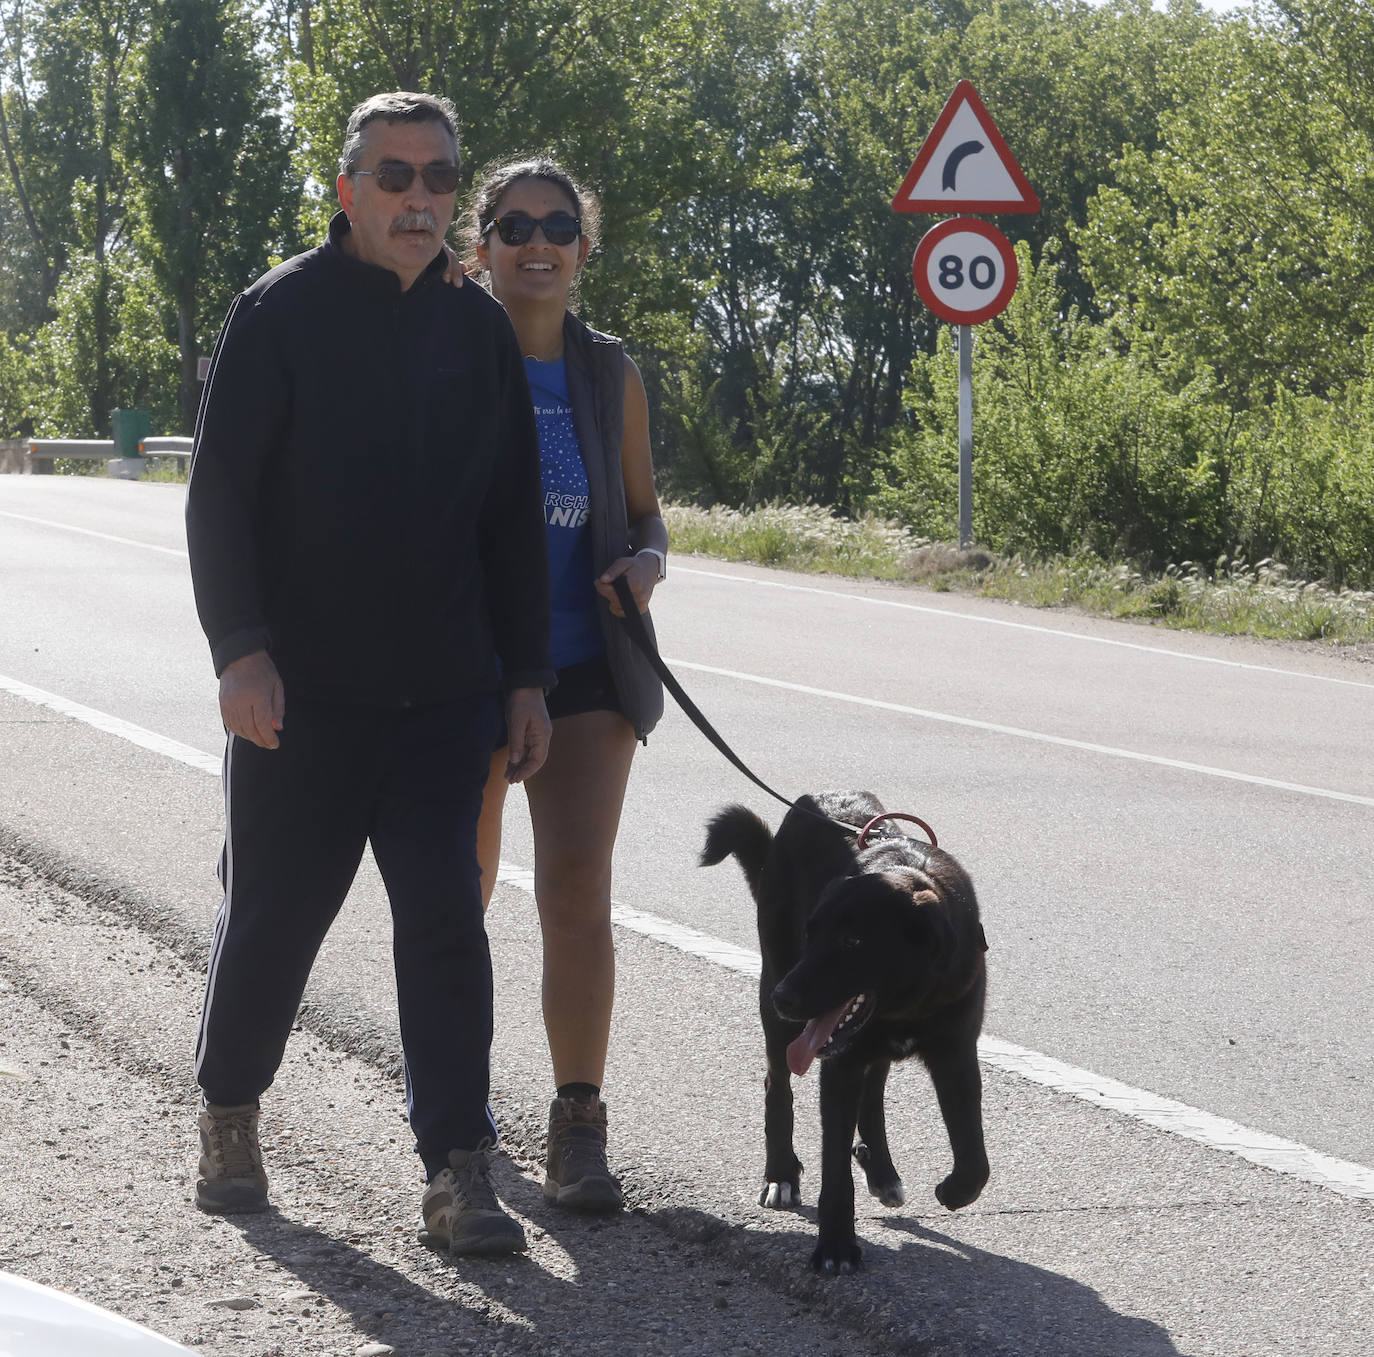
(737, 830)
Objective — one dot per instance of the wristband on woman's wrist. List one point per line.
(659, 557)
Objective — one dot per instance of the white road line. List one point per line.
(114, 725)
(944, 717)
(91, 532)
(675, 935)
(1175, 1118)
(867, 599)
(1043, 630)
(1179, 1119)
(1017, 733)
(1191, 1123)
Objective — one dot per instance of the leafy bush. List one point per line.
(1303, 489)
(1083, 441)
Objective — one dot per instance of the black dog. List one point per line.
(869, 956)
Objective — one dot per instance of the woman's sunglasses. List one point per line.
(515, 228)
(395, 176)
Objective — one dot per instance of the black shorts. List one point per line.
(586, 686)
(582, 687)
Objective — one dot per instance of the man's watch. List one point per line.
(659, 557)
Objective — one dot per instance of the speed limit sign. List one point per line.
(965, 270)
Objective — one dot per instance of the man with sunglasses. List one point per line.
(366, 536)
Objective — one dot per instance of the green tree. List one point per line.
(216, 192)
(65, 81)
(22, 302)
(599, 86)
(60, 364)
(547, 73)
(811, 320)
(1246, 239)
(1071, 85)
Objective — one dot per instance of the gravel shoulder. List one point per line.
(1096, 1236)
(97, 1153)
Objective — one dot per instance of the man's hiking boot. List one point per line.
(578, 1177)
(460, 1209)
(231, 1178)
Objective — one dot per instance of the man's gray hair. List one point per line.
(402, 106)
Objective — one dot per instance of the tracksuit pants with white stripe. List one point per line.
(297, 820)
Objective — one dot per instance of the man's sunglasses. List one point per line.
(515, 228)
(395, 176)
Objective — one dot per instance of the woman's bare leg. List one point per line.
(575, 802)
(489, 824)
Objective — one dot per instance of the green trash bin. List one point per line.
(128, 428)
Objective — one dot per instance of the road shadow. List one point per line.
(625, 1283)
(1029, 1308)
(591, 1284)
(929, 1293)
(455, 1306)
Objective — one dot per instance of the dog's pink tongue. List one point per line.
(814, 1035)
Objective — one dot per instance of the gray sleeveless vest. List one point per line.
(596, 384)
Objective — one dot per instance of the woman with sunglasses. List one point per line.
(532, 230)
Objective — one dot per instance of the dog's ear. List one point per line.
(926, 921)
(913, 883)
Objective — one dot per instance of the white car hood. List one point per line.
(36, 1321)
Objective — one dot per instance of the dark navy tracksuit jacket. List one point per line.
(365, 505)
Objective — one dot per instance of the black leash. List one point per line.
(639, 634)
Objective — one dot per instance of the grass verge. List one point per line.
(1232, 598)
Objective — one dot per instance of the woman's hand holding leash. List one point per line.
(641, 574)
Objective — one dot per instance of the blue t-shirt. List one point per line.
(574, 628)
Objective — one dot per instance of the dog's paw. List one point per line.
(882, 1179)
(783, 1196)
(837, 1258)
(890, 1194)
(955, 1191)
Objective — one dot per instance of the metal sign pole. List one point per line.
(965, 435)
(965, 270)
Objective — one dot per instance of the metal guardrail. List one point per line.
(71, 447)
(40, 453)
(173, 445)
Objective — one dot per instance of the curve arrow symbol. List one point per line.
(953, 160)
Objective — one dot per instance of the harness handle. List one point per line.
(895, 815)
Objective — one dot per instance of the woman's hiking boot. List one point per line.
(578, 1177)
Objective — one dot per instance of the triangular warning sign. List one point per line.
(964, 165)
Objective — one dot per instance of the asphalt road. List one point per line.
(1169, 834)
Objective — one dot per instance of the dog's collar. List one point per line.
(862, 841)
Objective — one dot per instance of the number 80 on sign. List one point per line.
(965, 271)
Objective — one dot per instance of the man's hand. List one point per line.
(528, 729)
(251, 701)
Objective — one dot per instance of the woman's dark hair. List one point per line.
(494, 182)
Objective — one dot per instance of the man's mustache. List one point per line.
(414, 221)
